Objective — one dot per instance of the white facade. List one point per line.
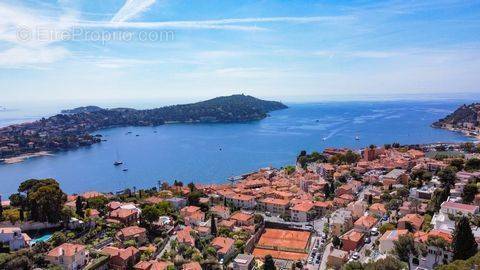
(13, 237)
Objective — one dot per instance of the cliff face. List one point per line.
(464, 115)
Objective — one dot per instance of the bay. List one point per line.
(210, 153)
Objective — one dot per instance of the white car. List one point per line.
(356, 256)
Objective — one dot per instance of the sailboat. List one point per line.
(117, 162)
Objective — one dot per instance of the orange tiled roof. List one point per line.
(241, 216)
(415, 219)
(378, 207)
(353, 235)
(132, 231)
(124, 254)
(303, 206)
(393, 235)
(66, 249)
(192, 266)
(223, 244)
(366, 221)
(152, 265)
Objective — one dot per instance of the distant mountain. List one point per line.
(85, 109)
(466, 116)
(73, 128)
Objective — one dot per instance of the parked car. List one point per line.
(374, 231)
(367, 240)
(356, 256)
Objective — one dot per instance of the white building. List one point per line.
(241, 201)
(68, 256)
(243, 262)
(14, 237)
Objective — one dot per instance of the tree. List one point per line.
(458, 163)
(472, 164)
(194, 198)
(388, 263)
(336, 241)
(192, 187)
(19, 263)
(404, 247)
(439, 196)
(469, 192)
(464, 245)
(79, 207)
(353, 265)
(44, 199)
(213, 225)
(326, 190)
(58, 238)
(269, 263)
(448, 176)
(386, 227)
(150, 213)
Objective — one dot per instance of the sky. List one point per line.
(174, 50)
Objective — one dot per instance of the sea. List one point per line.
(211, 153)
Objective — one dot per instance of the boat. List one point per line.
(117, 162)
(357, 138)
(125, 170)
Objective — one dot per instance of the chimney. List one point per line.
(61, 252)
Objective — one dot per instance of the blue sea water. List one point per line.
(210, 153)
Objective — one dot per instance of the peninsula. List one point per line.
(465, 119)
(72, 128)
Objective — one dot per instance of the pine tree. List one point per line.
(213, 225)
(269, 263)
(79, 207)
(464, 245)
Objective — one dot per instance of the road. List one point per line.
(167, 247)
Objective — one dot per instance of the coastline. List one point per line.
(21, 158)
(466, 133)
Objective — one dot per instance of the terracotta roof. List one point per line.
(192, 266)
(378, 207)
(227, 223)
(415, 219)
(353, 235)
(152, 265)
(132, 231)
(122, 253)
(366, 221)
(223, 244)
(122, 213)
(282, 202)
(219, 209)
(91, 194)
(240, 197)
(303, 206)
(184, 236)
(189, 209)
(423, 237)
(460, 206)
(241, 216)
(66, 249)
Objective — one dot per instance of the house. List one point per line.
(340, 222)
(241, 201)
(243, 262)
(14, 238)
(337, 258)
(68, 256)
(396, 176)
(192, 215)
(192, 266)
(377, 210)
(344, 189)
(227, 223)
(441, 221)
(387, 239)
(303, 212)
(352, 240)
(434, 255)
(121, 258)
(455, 208)
(415, 221)
(224, 246)
(138, 234)
(184, 236)
(152, 265)
(365, 223)
(242, 219)
(124, 216)
(357, 208)
(273, 205)
(220, 211)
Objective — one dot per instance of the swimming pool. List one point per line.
(43, 238)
